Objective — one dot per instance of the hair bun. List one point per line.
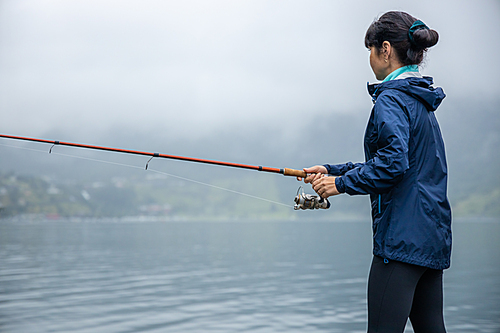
(425, 38)
(409, 36)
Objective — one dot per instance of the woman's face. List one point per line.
(384, 60)
(378, 63)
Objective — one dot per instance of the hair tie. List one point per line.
(417, 25)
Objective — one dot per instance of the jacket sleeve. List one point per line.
(390, 162)
(340, 169)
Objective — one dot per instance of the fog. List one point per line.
(190, 68)
(260, 82)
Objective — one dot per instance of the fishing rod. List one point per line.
(302, 200)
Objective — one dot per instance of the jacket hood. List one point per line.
(419, 88)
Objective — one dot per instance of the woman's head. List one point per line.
(408, 37)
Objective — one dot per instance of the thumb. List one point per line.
(315, 169)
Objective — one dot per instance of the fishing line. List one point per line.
(152, 170)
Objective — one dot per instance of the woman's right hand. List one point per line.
(313, 173)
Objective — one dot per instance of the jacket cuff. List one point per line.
(327, 166)
(337, 169)
(339, 184)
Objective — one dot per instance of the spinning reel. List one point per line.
(309, 201)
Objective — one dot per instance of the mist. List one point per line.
(207, 248)
(193, 68)
(271, 83)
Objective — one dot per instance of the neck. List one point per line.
(400, 70)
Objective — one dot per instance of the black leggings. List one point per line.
(398, 291)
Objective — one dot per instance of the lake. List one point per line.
(209, 276)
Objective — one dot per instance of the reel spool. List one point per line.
(309, 201)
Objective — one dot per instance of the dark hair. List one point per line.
(394, 27)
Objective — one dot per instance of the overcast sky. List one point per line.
(191, 67)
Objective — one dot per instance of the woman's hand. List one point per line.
(312, 172)
(321, 183)
(324, 186)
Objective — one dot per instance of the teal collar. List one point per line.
(401, 70)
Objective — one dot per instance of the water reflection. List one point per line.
(220, 277)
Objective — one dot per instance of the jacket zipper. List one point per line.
(379, 199)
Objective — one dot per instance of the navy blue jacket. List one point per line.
(405, 174)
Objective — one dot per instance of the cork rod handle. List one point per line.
(295, 173)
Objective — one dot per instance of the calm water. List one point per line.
(63, 276)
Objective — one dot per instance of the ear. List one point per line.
(386, 50)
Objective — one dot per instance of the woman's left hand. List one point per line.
(324, 186)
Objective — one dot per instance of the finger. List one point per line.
(317, 178)
(317, 185)
(312, 169)
(323, 192)
(310, 178)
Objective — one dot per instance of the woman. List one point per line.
(405, 174)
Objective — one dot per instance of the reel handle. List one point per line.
(295, 173)
(309, 201)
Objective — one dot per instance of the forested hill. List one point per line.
(38, 183)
